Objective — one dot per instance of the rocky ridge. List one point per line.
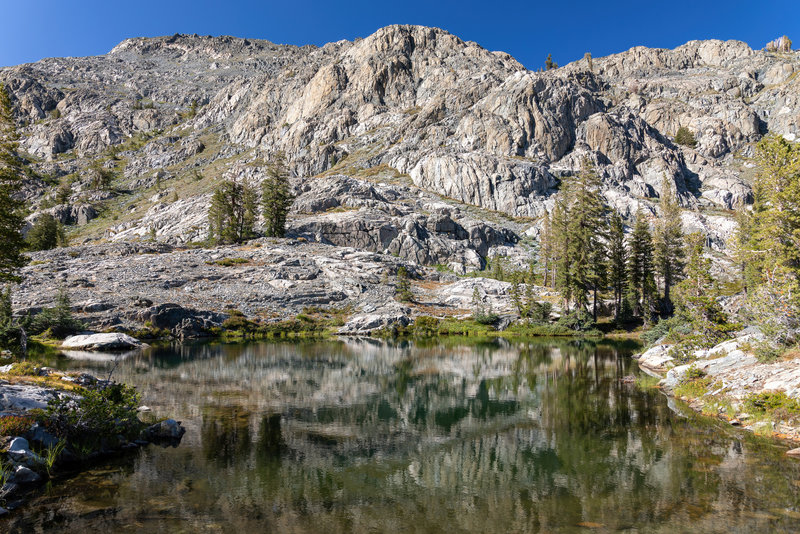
(410, 107)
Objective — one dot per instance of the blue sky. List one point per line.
(33, 29)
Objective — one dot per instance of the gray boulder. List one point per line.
(102, 342)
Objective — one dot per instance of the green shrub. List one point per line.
(403, 286)
(693, 373)
(23, 369)
(47, 233)
(775, 404)
(685, 137)
(578, 320)
(57, 322)
(673, 328)
(15, 425)
(99, 416)
(229, 262)
(426, 326)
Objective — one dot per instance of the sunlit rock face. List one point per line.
(368, 436)
(412, 107)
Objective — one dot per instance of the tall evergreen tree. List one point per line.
(560, 222)
(617, 262)
(698, 294)
(770, 234)
(12, 172)
(641, 284)
(276, 197)
(587, 231)
(546, 250)
(668, 242)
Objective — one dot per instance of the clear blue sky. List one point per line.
(528, 30)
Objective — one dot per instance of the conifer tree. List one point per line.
(668, 242)
(640, 268)
(617, 263)
(12, 172)
(587, 230)
(276, 197)
(546, 250)
(232, 213)
(770, 234)
(562, 281)
(697, 296)
(45, 234)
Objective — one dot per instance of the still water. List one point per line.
(365, 436)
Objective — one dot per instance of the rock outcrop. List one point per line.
(406, 113)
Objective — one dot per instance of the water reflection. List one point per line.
(363, 436)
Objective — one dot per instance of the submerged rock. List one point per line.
(25, 475)
(168, 431)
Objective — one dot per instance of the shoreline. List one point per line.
(58, 424)
(729, 383)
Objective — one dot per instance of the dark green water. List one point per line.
(369, 437)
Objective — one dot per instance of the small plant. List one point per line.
(51, 455)
(5, 473)
(685, 137)
(693, 373)
(102, 414)
(578, 320)
(403, 286)
(773, 402)
(229, 262)
(482, 314)
(23, 369)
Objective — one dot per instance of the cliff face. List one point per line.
(409, 108)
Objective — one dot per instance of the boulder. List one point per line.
(365, 323)
(657, 359)
(168, 431)
(102, 342)
(25, 475)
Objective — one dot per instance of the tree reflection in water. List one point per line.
(367, 436)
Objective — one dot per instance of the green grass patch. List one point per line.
(229, 262)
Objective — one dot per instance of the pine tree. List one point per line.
(771, 239)
(640, 268)
(232, 213)
(586, 229)
(697, 297)
(276, 197)
(549, 63)
(562, 281)
(12, 172)
(46, 233)
(515, 292)
(668, 242)
(617, 263)
(546, 250)
(403, 286)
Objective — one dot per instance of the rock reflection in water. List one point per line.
(365, 436)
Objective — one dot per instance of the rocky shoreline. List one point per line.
(52, 426)
(191, 292)
(729, 382)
